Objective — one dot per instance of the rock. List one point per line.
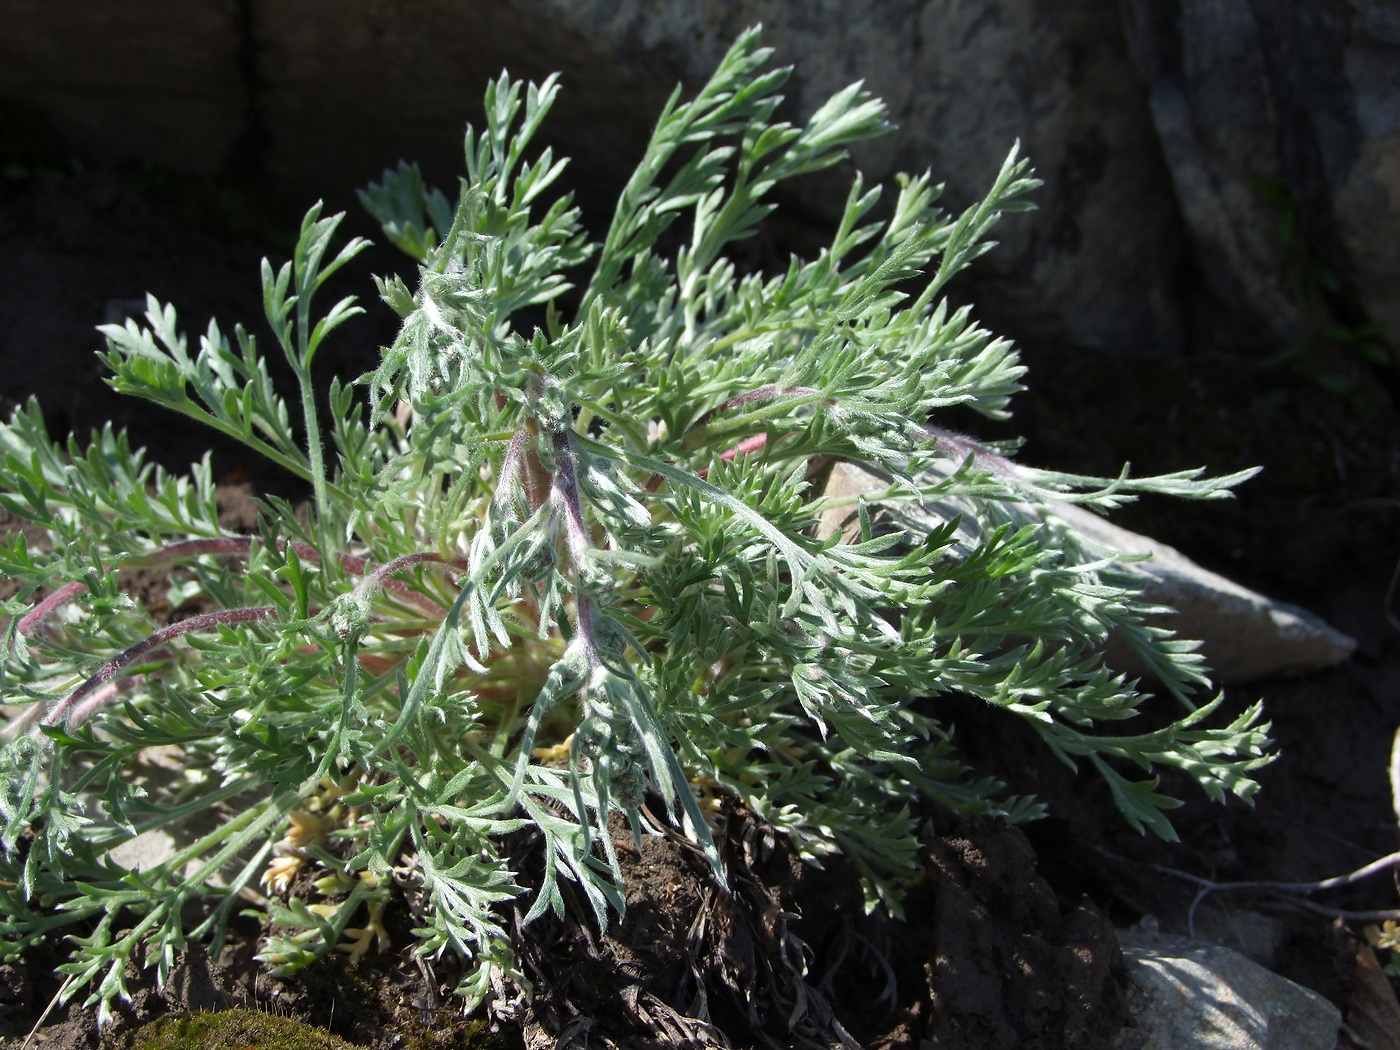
(1176, 137)
(1097, 265)
(1245, 635)
(1214, 111)
(344, 93)
(1366, 191)
(165, 764)
(146, 851)
(141, 80)
(1190, 995)
(1272, 112)
(1258, 937)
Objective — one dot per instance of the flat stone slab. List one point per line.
(1244, 634)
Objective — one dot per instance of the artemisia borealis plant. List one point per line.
(567, 565)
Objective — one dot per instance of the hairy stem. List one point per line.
(566, 495)
(65, 709)
(34, 618)
(707, 429)
(314, 453)
(380, 578)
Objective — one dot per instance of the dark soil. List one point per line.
(1008, 939)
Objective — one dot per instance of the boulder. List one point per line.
(1098, 265)
(1245, 635)
(346, 89)
(1279, 121)
(1217, 174)
(137, 81)
(1191, 995)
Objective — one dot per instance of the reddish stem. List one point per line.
(34, 618)
(66, 708)
(187, 548)
(743, 448)
(962, 446)
(403, 561)
(241, 545)
(96, 691)
(378, 578)
(748, 397)
(97, 699)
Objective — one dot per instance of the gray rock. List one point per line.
(1366, 192)
(341, 97)
(1258, 937)
(1215, 112)
(1156, 125)
(146, 851)
(140, 80)
(1097, 265)
(1298, 97)
(1244, 634)
(1190, 995)
(1239, 115)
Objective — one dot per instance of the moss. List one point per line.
(234, 1030)
(473, 1034)
(254, 1030)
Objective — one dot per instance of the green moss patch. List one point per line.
(234, 1030)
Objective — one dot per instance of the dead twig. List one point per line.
(1205, 887)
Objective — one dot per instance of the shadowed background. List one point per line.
(1218, 175)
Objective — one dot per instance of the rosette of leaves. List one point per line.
(567, 566)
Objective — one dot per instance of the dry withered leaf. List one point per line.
(1372, 1012)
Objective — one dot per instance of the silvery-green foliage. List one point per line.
(566, 566)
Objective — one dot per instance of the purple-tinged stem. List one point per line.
(586, 633)
(188, 548)
(379, 578)
(515, 451)
(34, 618)
(240, 545)
(66, 709)
(221, 545)
(566, 494)
(748, 397)
(403, 561)
(743, 448)
(763, 393)
(960, 445)
(98, 699)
